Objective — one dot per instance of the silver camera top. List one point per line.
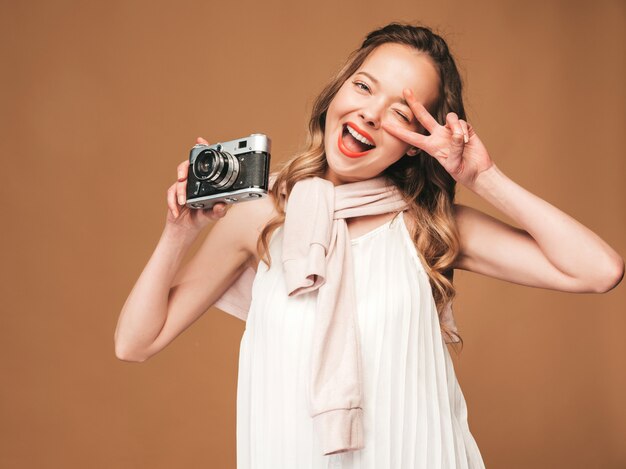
(251, 143)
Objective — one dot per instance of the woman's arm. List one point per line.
(145, 309)
(552, 250)
(167, 299)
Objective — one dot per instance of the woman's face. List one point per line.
(366, 99)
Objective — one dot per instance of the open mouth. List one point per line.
(352, 144)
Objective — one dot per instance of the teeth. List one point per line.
(358, 136)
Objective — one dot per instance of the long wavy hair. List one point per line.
(425, 185)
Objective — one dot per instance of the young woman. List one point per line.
(344, 361)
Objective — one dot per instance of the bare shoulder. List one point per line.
(469, 216)
(249, 218)
(470, 224)
(462, 215)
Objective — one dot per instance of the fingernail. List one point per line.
(181, 200)
(465, 138)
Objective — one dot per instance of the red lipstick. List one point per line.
(362, 132)
(349, 153)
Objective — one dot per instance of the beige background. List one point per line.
(101, 101)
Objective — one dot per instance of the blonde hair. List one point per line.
(425, 185)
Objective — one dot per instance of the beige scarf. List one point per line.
(316, 255)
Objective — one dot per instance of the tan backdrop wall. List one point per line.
(101, 101)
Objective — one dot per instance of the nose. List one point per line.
(371, 115)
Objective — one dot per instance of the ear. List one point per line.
(412, 151)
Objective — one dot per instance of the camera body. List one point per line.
(228, 172)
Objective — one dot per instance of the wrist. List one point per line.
(175, 234)
(486, 180)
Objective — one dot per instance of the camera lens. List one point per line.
(220, 169)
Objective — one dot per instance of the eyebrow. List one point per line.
(376, 82)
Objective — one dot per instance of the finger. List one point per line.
(171, 200)
(465, 130)
(455, 156)
(182, 169)
(221, 209)
(202, 141)
(181, 192)
(452, 121)
(217, 211)
(406, 135)
(420, 112)
(470, 130)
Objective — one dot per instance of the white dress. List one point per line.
(415, 414)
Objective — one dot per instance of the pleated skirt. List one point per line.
(415, 415)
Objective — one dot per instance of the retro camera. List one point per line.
(229, 172)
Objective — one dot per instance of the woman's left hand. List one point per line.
(455, 146)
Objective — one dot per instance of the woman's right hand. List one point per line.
(181, 216)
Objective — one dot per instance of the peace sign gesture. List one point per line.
(455, 146)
